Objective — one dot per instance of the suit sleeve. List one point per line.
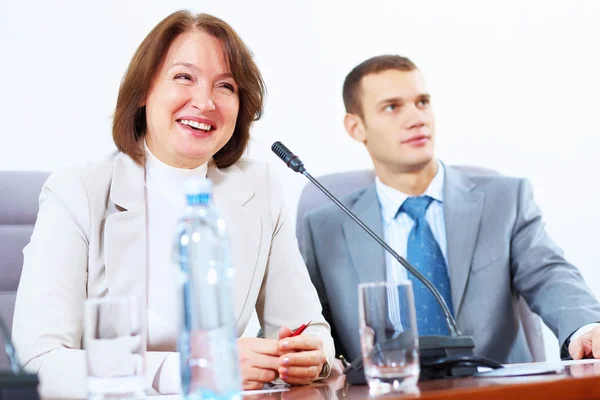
(48, 319)
(314, 270)
(554, 288)
(287, 296)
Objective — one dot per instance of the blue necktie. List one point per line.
(424, 253)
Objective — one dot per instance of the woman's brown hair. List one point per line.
(129, 123)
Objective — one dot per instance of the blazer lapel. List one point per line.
(125, 236)
(462, 213)
(367, 255)
(125, 242)
(231, 191)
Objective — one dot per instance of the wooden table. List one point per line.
(579, 381)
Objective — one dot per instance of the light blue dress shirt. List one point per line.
(396, 230)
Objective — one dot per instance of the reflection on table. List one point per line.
(577, 380)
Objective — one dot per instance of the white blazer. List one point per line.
(90, 241)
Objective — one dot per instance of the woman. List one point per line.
(185, 107)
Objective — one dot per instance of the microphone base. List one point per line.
(21, 386)
(433, 350)
(440, 357)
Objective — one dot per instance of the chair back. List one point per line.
(19, 193)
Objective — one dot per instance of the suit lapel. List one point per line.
(462, 213)
(232, 190)
(125, 236)
(125, 242)
(367, 255)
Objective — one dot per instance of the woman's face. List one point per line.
(193, 103)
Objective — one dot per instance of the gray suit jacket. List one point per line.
(497, 250)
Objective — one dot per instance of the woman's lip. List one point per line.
(199, 120)
(195, 132)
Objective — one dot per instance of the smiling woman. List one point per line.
(192, 106)
(185, 108)
(204, 56)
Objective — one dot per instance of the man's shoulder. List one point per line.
(483, 179)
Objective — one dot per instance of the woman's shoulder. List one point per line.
(255, 172)
(82, 190)
(252, 166)
(253, 177)
(86, 176)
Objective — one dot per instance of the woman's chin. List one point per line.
(192, 159)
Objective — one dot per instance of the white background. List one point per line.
(514, 83)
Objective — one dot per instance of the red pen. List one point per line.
(301, 328)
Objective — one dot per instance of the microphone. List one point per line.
(15, 383)
(441, 356)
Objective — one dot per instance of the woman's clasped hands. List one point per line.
(296, 360)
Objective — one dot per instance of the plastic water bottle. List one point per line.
(207, 341)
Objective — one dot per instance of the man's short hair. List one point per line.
(351, 91)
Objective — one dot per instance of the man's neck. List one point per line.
(413, 183)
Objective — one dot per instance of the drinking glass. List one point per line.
(114, 348)
(389, 338)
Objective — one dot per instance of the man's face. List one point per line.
(397, 125)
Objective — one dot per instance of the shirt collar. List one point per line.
(170, 180)
(391, 199)
(167, 172)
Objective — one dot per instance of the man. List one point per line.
(479, 237)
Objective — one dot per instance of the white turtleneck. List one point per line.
(165, 205)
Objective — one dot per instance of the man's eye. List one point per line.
(390, 107)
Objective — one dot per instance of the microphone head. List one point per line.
(282, 152)
(289, 158)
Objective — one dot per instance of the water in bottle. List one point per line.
(207, 340)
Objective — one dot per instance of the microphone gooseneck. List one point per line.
(16, 383)
(292, 161)
(15, 365)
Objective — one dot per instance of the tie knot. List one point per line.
(415, 207)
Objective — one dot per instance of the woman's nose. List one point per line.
(202, 99)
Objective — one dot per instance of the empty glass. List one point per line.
(389, 338)
(114, 347)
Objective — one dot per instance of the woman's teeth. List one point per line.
(196, 125)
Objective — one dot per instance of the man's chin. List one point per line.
(418, 164)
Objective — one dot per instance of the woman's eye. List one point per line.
(228, 86)
(390, 107)
(186, 77)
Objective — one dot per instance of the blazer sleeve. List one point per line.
(307, 249)
(48, 318)
(553, 288)
(287, 296)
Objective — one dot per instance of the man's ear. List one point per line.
(355, 127)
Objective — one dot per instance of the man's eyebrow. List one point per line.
(391, 100)
(397, 99)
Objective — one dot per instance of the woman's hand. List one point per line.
(259, 360)
(302, 357)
